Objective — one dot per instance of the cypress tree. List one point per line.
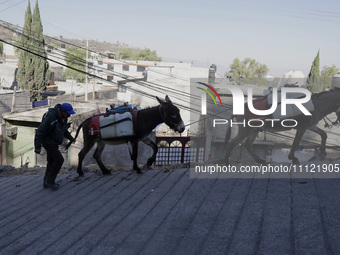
(314, 75)
(22, 78)
(41, 67)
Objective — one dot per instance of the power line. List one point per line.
(12, 5)
(80, 61)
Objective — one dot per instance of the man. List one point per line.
(50, 134)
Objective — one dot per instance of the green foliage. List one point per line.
(24, 56)
(33, 70)
(1, 48)
(125, 53)
(325, 80)
(42, 72)
(313, 81)
(329, 71)
(247, 69)
(75, 58)
(148, 55)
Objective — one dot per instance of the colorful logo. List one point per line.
(204, 98)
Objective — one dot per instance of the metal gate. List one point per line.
(179, 150)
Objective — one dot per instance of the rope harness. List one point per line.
(332, 123)
(169, 122)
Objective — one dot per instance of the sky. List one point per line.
(284, 35)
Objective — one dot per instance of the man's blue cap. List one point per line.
(67, 108)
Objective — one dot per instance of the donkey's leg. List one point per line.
(134, 156)
(242, 133)
(249, 146)
(98, 157)
(88, 144)
(323, 135)
(297, 139)
(150, 161)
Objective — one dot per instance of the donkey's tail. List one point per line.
(80, 126)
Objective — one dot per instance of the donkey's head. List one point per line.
(170, 114)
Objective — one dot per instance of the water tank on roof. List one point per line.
(336, 81)
(294, 74)
(213, 66)
(294, 77)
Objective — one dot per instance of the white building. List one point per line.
(139, 82)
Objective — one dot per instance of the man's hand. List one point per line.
(37, 151)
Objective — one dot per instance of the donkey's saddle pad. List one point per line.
(113, 125)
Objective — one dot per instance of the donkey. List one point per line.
(324, 103)
(147, 119)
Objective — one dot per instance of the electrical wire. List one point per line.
(150, 85)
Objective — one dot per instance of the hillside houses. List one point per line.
(115, 82)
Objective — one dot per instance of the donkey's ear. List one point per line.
(160, 101)
(167, 99)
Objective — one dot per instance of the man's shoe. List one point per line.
(45, 186)
(52, 186)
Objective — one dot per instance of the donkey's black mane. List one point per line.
(148, 108)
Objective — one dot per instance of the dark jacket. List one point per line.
(51, 130)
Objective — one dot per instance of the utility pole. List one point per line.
(13, 99)
(3, 145)
(86, 68)
(94, 87)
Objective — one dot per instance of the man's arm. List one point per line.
(69, 136)
(40, 134)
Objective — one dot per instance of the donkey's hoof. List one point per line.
(81, 174)
(107, 172)
(139, 171)
(147, 167)
(262, 162)
(295, 161)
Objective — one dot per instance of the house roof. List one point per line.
(35, 114)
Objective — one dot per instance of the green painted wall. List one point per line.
(20, 150)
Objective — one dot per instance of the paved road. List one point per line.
(167, 212)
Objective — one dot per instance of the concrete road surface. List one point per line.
(167, 212)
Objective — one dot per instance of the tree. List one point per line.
(75, 58)
(125, 53)
(42, 73)
(134, 54)
(148, 55)
(326, 77)
(1, 48)
(329, 71)
(33, 69)
(24, 56)
(313, 81)
(248, 68)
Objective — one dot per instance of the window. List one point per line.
(140, 68)
(110, 67)
(110, 78)
(126, 67)
(121, 88)
(100, 62)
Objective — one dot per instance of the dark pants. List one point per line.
(54, 162)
